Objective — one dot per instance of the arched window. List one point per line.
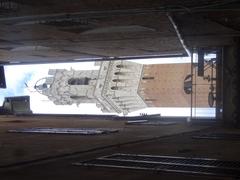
(119, 73)
(116, 80)
(114, 88)
(119, 66)
(79, 81)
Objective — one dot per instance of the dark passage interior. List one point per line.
(135, 55)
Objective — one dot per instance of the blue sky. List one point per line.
(17, 76)
(15, 83)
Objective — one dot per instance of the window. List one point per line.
(79, 81)
(77, 97)
(145, 78)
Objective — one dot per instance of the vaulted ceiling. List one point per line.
(68, 30)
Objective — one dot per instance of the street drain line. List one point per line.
(74, 131)
(200, 166)
(218, 136)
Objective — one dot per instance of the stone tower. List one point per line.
(124, 87)
(114, 87)
(168, 85)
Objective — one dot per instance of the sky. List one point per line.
(22, 78)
